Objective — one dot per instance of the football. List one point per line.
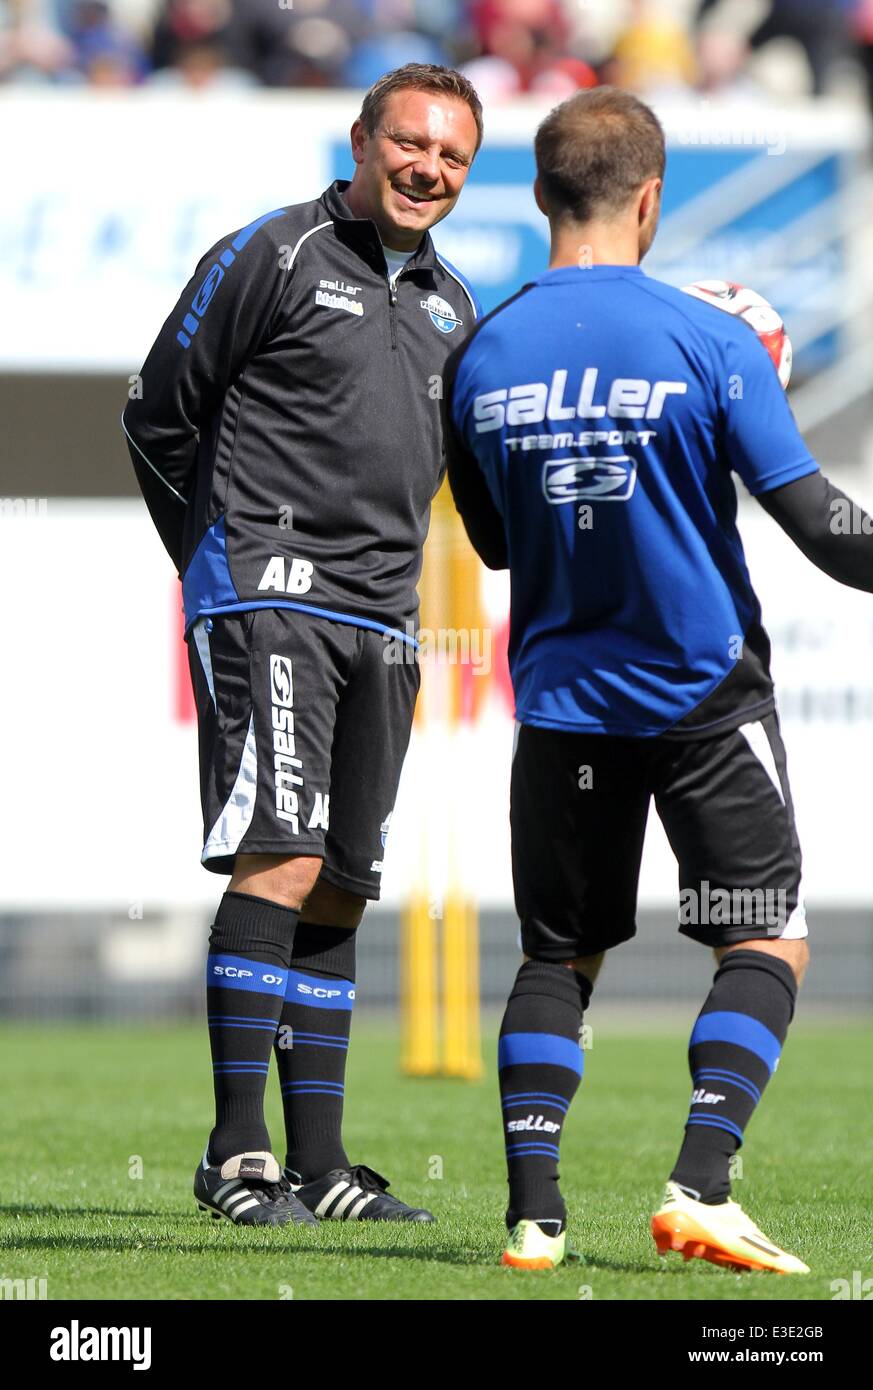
(754, 310)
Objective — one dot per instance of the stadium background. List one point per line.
(137, 134)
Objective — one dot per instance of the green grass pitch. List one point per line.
(88, 1109)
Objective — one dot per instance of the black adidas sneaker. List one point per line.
(352, 1194)
(250, 1190)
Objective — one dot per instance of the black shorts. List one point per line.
(578, 811)
(303, 726)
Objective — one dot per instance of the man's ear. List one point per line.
(650, 195)
(538, 195)
(358, 136)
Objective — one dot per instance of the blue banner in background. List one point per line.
(759, 216)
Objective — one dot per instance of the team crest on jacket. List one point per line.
(442, 315)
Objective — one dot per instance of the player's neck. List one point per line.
(356, 199)
(591, 243)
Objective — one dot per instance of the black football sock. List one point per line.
(311, 1048)
(246, 977)
(540, 1066)
(734, 1050)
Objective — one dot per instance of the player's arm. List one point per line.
(764, 445)
(218, 321)
(482, 521)
(831, 530)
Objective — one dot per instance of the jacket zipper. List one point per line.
(392, 303)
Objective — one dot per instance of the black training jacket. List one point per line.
(285, 429)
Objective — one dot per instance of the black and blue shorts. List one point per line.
(304, 723)
(579, 806)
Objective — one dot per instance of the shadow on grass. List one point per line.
(49, 1209)
(281, 1241)
(278, 1245)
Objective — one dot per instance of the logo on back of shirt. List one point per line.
(626, 398)
(441, 313)
(607, 479)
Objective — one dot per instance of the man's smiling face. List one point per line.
(412, 168)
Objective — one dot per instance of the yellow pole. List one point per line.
(420, 1030)
(461, 1052)
(440, 957)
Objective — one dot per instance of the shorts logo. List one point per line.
(320, 818)
(607, 479)
(282, 680)
(287, 767)
(442, 315)
(377, 864)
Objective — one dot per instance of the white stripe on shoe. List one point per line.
(359, 1206)
(233, 1212)
(235, 1198)
(346, 1201)
(229, 1186)
(321, 1209)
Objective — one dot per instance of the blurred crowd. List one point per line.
(506, 47)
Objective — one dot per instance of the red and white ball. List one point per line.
(754, 310)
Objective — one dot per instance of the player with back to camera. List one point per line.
(592, 424)
(288, 444)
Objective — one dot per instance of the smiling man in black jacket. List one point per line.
(286, 437)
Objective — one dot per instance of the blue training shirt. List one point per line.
(605, 412)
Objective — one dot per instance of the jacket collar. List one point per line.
(423, 258)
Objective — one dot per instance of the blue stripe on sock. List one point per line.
(251, 975)
(240, 1018)
(235, 1023)
(333, 1087)
(717, 1122)
(242, 1062)
(313, 1081)
(536, 1098)
(316, 1042)
(226, 1068)
(732, 1078)
(740, 1029)
(520, 1049)
(523, 1150)
(325, 1037)
(318, 993)
(312, 1091)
